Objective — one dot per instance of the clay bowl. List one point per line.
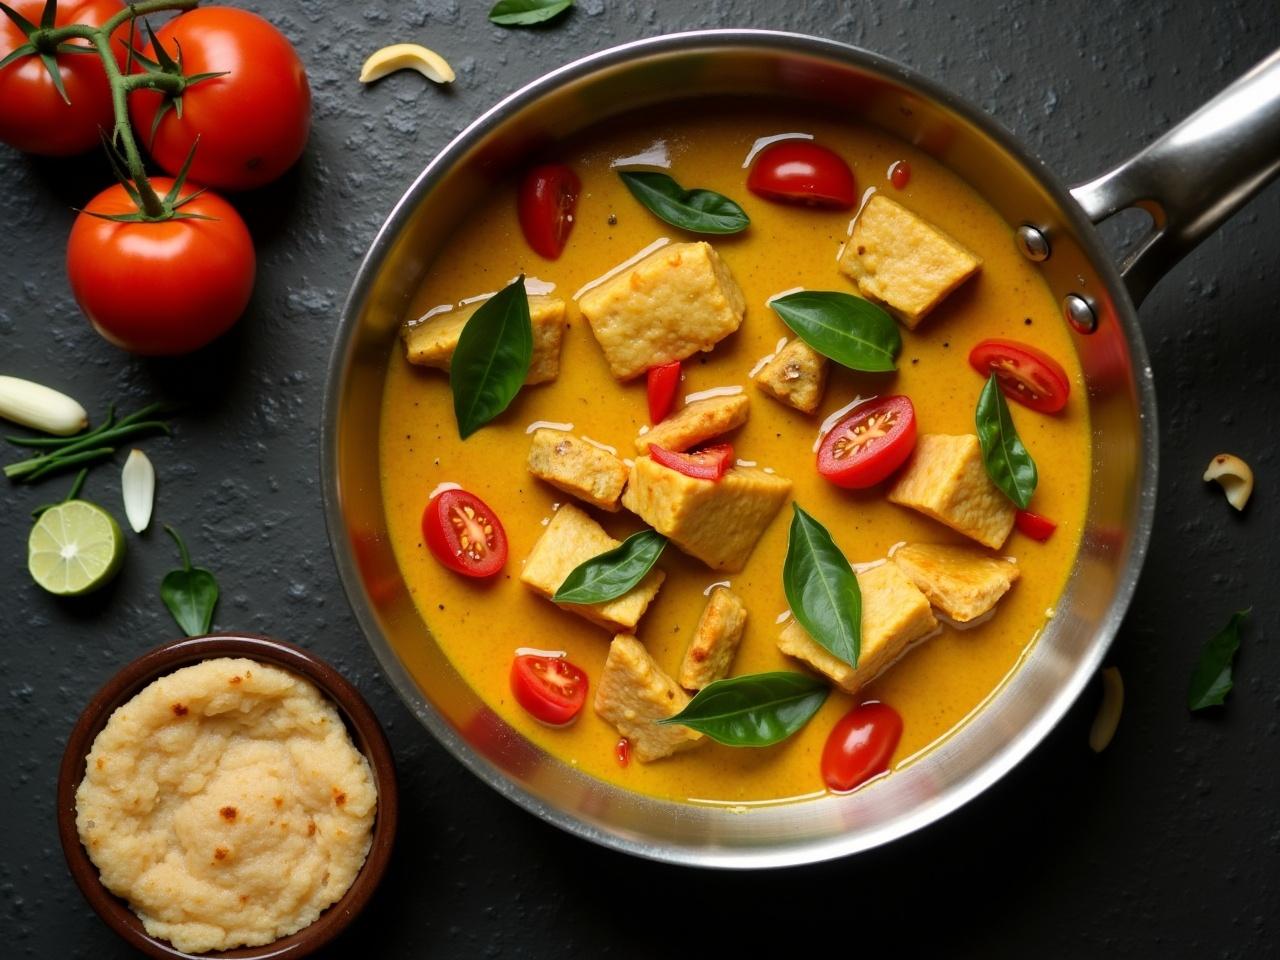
(365, 733)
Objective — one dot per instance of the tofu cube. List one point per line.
(962, 582)
(678, 300)
(895, 614)
(718, 522)
(578, 468)
(903, 261)
(633, 693)
(946, 479)
(715, 641)
(697, 422)
(431, 342)
(797, 375)
(572, 538)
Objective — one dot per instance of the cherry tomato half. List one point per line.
(860, 745)
(550, 688)
(1033, 525)
(1025, 374)
(252, 122)
(664, 381)
(464, 534)
(161, 287)
(709, 463)
(800, 171)
(870, 443)
(548, 197)
(33, 115)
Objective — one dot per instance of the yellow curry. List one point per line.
(948, 670)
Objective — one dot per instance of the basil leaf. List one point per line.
(1008, 463)
(190, 593)
(757, 710)
(853, 332)
(614, 572)
(525, 13)
(821, 588)
(491, 361)
(1212, 680)
(698, 211)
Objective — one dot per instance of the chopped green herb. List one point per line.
(1212, 680)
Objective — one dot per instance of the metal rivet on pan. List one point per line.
(1033, 244)
(1079, 314)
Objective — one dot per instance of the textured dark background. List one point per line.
(1167, 844)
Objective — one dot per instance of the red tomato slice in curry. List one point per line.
(860, 745)
(663, 382)
(800, 171)
(548, 197)
(552, 689)
(464, 534)
(709, 463)
(1025, 374)
(870, 443)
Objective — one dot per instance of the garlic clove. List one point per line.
(1234, 476)
(138, 485)
(406, 56)
(1107, 718)
(41, 408)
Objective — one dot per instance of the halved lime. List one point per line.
(74, 548)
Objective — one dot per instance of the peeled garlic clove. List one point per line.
(407, 56)
(138, 484)
(1108, 716)
(41, 408)
(1234, 476)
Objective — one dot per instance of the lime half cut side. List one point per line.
(74, 548)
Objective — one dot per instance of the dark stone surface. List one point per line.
(1167, 844)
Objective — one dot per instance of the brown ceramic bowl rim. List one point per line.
(366, 732)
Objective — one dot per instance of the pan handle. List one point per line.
(1195, 176)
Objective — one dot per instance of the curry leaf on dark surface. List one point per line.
(850, 330)
(614, 572)
(698, 211)
(821, 588)
(491, 360)
(1212, 680)
(1008, 463)
(190, 593)
(526, 13)
(755, 710)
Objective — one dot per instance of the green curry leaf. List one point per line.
(756, 710)
(1008, 463)
(491, 360)
(614, 572)
(190, 593)
(526, 13)
(1212, 680)
(698, 211)
(853, 332)
(821, 588)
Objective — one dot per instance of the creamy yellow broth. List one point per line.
(479, 625)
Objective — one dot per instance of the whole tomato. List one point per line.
(252, 122)
(160, 287)
(33, 115)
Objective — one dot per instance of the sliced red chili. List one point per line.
(1033, 525)
(709, 463)
(663, 382)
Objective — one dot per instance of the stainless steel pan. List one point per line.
(1189, 181)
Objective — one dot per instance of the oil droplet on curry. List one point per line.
(479, 624)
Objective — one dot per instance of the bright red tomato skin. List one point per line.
(252, 123)
(800, 171)
(1033, 525)
(33, 116)
(709, 463)
(860, 746)
(663, 383)
(900, 174)
(546, 203)
(160, 288)
(857, 469)
(1025, 373)
(551, 689)
(445, 519)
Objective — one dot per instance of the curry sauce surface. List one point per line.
(480, 625)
